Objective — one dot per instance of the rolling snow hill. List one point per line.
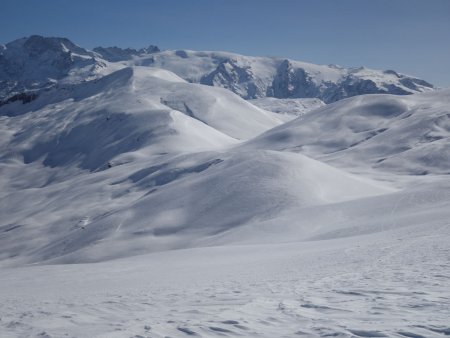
(401, 134)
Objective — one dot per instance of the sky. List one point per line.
(409, 36)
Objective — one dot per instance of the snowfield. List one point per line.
(391, 284)
(144, 201)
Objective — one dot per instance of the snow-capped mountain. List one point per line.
(256, 77)
(39, 62)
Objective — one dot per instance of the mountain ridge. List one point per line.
(37, 62)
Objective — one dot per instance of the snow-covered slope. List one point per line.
(90, 124)
(288, 107)
(407, 134)
(164, 203)
(133, 108)
(140, 160)
(390, 284)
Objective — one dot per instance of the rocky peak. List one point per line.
(234, 76)
(114, 54)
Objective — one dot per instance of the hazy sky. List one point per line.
(409, 36)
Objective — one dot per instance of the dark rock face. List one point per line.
(237, 78)
(292, 82)
(351, 86)
(23, 97)
(114, 54)
(413, 83)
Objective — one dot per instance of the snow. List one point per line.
(402, 134)
(367, 286)
(137, 202)
(290, 108)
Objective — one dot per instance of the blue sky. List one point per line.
(409, 36)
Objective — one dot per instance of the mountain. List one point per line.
(256, 77)
(401, 134)
(38, 62)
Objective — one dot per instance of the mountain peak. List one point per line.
(38, 44)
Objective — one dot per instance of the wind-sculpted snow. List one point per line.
(392, 284)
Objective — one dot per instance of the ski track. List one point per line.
(391, 286)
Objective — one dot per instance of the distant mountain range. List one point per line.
(35, 63)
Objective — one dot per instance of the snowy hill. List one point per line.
(160, 150)
(131, 109)
(40, 62)
(407, 135)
